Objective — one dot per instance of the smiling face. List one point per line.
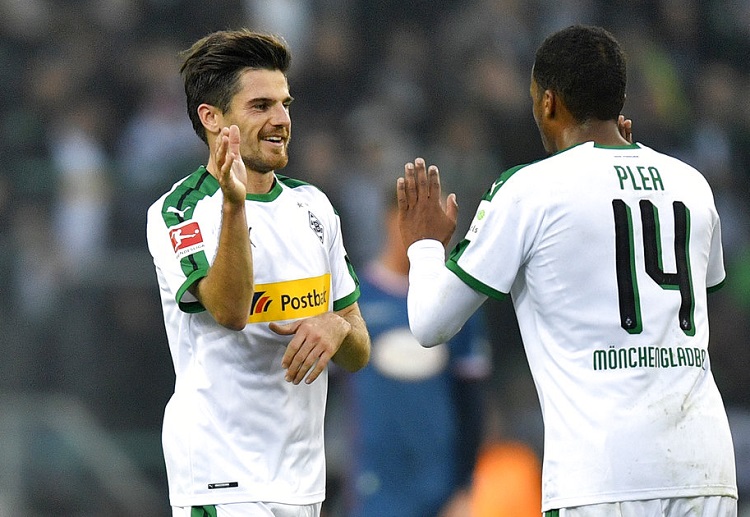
(260, 108)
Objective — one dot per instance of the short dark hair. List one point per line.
(212, 66)
(586, 67)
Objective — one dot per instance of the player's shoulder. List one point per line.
(184, 195)
(299, 186)
(197, 185)
(303, 190)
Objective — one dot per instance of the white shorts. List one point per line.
(248, 510)
(715, 506)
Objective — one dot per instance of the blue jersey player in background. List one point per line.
(418, 411)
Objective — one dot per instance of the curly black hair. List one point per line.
(586, 66)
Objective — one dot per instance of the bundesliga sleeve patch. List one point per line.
(186, 238)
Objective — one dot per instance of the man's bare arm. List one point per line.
(227, 290)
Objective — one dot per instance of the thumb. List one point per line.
(283, 330)
(451, 207)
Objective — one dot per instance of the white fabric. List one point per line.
(628, 415)
(235, 430)
(678, 507)
(439, 303)
(255, 510)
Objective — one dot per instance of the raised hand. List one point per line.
(420, 208)
(232, 175)
(625, 125)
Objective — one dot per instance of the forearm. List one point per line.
(354, 352)
(439, 303)
(227, 290)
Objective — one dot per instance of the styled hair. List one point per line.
(212, 66)
(586, 67)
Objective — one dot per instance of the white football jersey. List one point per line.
(234, 429)
(608, 254)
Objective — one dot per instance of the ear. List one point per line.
(211, 118)
(550, 102)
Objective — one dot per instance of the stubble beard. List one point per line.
(262, 164)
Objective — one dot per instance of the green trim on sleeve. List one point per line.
(714, 288)
(473, 282)
(346, 301)
(190, 307)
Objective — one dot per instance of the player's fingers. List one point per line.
(403, 204)
(451, 207)
(284, 330)
(433, 182)
(293, 347)
(410, 185)
(625, 126)
(221, 151)
(420, 179)
(317, 369)
(303, 361)
(234, 140)
(294, 361)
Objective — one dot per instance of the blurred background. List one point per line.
(93, 129)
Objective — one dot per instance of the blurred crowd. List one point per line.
(93, 128)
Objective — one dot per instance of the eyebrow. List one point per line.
(286, 100)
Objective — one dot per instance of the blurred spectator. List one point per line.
(418, 412)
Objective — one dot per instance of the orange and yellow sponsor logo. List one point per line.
(293, 299)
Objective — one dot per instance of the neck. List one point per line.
(601, 132)
(257, 182)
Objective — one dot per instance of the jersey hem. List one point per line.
(639, 495)
(204, 499)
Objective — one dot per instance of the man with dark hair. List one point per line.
(257, 292)
(608, 249)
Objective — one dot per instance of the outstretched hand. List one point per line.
(421, 214)
(625, 125)
(232, 174)
(316, 340)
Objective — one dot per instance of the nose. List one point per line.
(280, 116)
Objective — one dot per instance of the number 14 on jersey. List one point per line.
(627, 280)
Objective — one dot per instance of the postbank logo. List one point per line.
(186, 238)
(290, 300)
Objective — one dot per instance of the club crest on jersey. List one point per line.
(316, 226)
(186, 238)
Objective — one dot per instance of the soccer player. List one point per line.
(257, 292)
(608, 249)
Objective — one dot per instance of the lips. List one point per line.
(275, 139)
